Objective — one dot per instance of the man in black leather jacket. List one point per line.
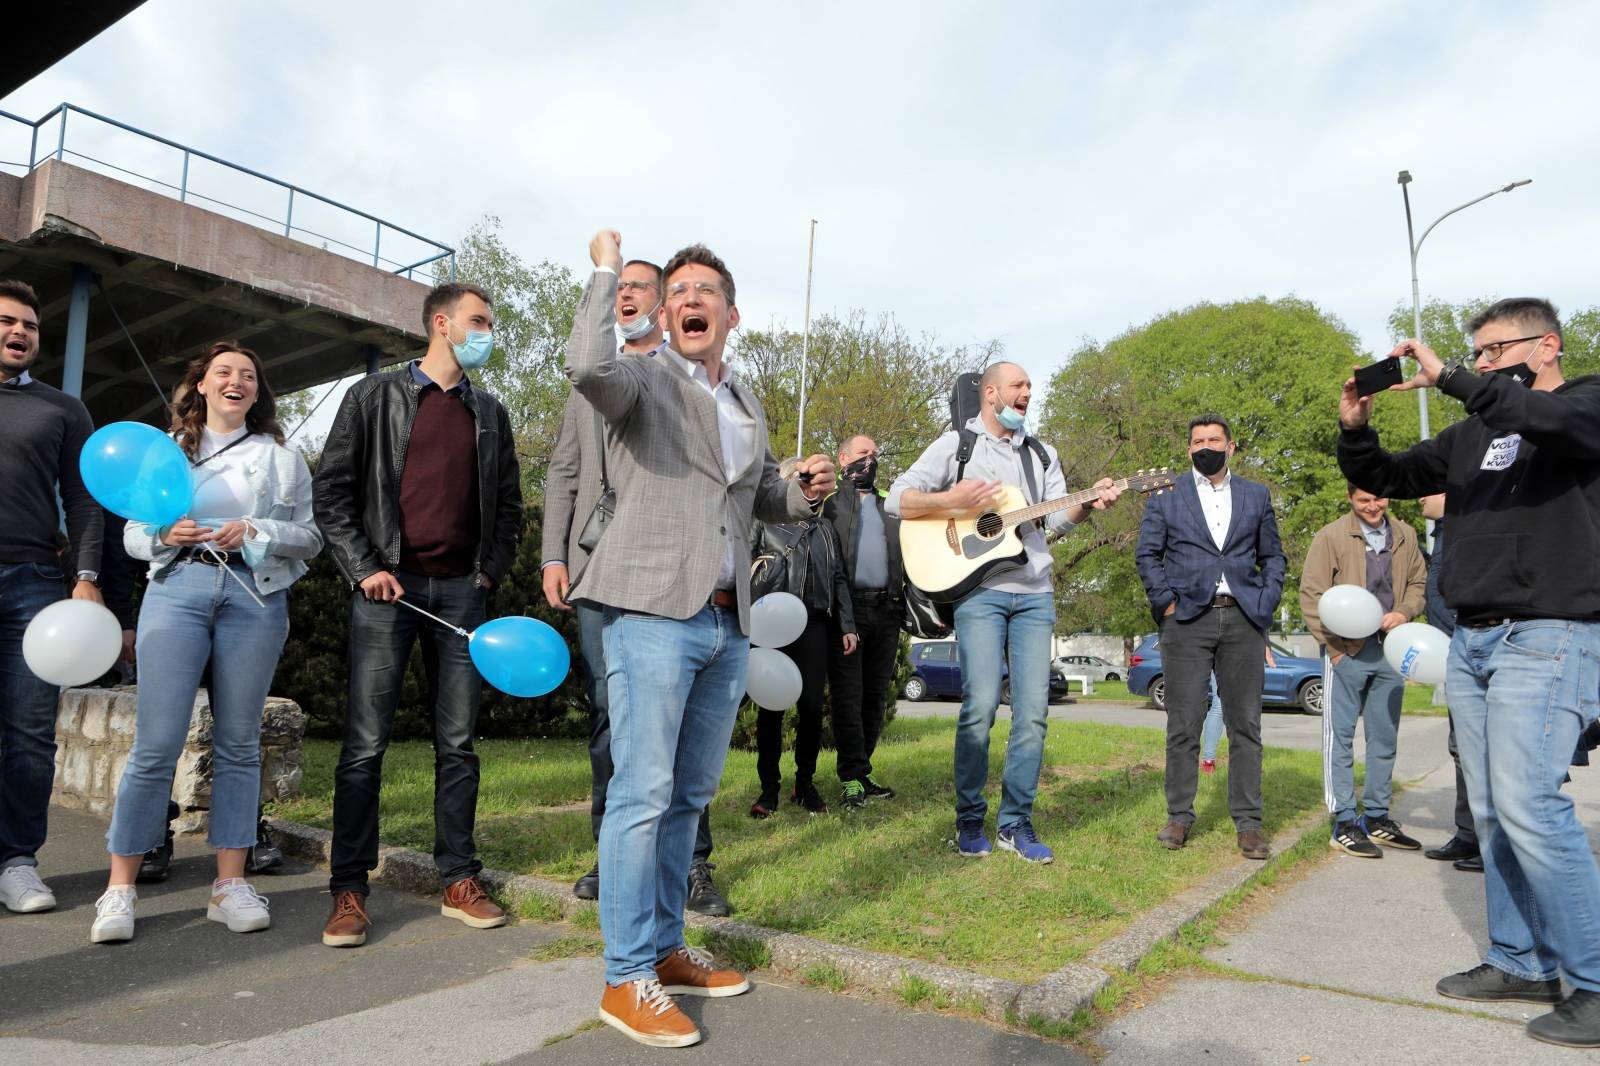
(872, 565)
(417, 495)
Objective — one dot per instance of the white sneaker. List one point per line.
(113, 915)
(22, 891)
(239, 906)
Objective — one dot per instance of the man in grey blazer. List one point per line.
(1212, 567)
(671, 575)
(572, 487)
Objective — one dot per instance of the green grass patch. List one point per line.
(886, 878)
(826, 976)
(571, 946)
(537, 908)
(1110, 692)
(591, 1024)
(919, 991)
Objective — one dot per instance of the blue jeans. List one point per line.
(27, 716)
(1211, 731)
(194, 614)
(674, 689)
(1520, 695)
(993, 629)
(1363, 686)
(381, 638)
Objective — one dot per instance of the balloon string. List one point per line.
(436, 618)
(222, 562)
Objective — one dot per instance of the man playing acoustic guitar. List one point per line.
(1011, 615)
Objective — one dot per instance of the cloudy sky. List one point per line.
(1033, 172)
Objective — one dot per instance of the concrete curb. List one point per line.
(1055, 998)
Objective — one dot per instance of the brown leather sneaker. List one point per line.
(643, 1011)
(347, 925)
(1173, 836)
(688, 972)
(1252, 845)
(466, 902)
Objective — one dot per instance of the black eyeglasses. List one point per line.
(1495, 350)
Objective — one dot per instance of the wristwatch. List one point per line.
(91, 576)
(1450, 370)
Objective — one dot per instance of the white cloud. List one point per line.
(1036, 172)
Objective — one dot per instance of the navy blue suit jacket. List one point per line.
(1178, 560)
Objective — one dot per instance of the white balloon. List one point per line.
(777, 620)
(774, 680)
(72, 642)
(1418, 652)
(1350, 611)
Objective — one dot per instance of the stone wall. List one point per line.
(94, 734)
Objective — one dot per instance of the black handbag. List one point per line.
(605, 508)
(769, 573)
(925, 619)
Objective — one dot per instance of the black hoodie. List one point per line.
(1522, 478)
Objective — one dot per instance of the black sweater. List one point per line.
(42, 431)
(1522, 476)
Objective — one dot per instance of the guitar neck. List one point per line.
(1039, 510)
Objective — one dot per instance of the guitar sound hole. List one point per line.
(989, 525)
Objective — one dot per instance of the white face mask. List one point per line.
(639, 327)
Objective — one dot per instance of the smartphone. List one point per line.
(1378, 376)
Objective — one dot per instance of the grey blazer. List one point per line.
(676, 510)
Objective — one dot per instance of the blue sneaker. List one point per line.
(1020, 838)
(970, 840)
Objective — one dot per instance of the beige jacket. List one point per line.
(1338, 556)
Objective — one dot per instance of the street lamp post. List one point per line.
(1416, 296)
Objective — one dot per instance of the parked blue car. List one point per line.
(936, 674)
(1294, 682)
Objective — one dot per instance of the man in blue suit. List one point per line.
(1212, 566)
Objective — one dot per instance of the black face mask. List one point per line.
(862, 473)
(1522, 374)
(1209, 461)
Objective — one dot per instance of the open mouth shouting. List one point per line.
(18, 348)
(694, 326)
(629, 309)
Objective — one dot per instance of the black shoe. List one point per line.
(588, 886)
(1349, 837)
(1454, 849)
(1386, 831)
(157, 863)
(1574, 1023)
(264, 857)
(1488, 984)
(875, 790)
(1472, 864)
(806, 795)
(703, 895)
(766, 804)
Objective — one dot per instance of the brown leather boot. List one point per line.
(1173, 836)
(688, 972)
(347, 924)
(643, 1011)
(465, 901)
(1252, 845)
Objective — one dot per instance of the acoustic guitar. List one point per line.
(949, 557)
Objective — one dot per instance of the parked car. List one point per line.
(1294, 682)
(936, 673)
(1097, 668)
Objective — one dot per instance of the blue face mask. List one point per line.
(1011, 418)
(475, 350)
(254, 554)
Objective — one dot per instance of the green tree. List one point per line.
(1272, 368)
(864, 376)
(533, 309)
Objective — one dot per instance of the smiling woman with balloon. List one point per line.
(222, 511)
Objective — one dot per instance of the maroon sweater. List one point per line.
(439, 517)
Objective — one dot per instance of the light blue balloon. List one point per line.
(138, 472)
(520, 656)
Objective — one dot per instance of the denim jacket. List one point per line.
(285, 535)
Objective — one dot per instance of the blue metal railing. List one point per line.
(185, 193)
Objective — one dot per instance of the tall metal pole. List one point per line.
(805, 344)
(1415, 246)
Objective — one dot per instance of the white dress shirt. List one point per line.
(1216, 502)
(736, 427)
